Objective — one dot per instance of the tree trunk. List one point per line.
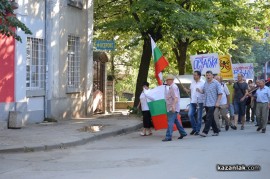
(181, 55)
(144, 68)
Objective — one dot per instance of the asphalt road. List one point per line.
(133, 156)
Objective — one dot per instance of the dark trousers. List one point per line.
(147, 121)
(210, 120)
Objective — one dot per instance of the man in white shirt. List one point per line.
(196, 103)
(223, 107)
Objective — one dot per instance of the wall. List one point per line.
(65, 20)
(32, 14)
(123, 104)
(7, 50)
(52, 20)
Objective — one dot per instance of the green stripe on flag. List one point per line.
(157, 107)
(157, 54)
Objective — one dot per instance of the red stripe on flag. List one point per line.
(160, 65)
(161, 122)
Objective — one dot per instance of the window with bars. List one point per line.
(73, 70)
(35, 64)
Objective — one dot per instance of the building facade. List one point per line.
(50, 73)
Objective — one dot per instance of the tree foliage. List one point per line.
(182, 28)
(9, 22)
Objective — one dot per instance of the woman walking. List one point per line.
(147, 121)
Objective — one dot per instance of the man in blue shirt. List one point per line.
(263, 104)
(213, 93)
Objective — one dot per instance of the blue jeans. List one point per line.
(239, 107)
(172, 119)
(210, 120)
(195, 123)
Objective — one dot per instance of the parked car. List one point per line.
(185, 81)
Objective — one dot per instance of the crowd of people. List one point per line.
(226, 103)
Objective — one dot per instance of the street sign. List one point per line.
(104, 45)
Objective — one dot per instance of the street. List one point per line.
(136, 157)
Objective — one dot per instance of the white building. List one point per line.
(53, 67)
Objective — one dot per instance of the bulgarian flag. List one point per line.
(159, 60)
(157, 106)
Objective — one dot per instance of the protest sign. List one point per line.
(226, 71)
(246, 69)
(205, 62)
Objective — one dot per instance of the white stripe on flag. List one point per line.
(153, 46)
(160, 76)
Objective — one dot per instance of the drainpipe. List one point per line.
(15, 6)
(46, 61)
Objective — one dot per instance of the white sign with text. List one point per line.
(246, 69)
(205, 62)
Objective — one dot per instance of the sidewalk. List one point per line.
(66, 133)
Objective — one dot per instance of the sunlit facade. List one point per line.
(50, 73)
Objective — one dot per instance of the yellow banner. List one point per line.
(226, 70)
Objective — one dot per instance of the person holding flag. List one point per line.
(147, 121)
(158, 105)
(173, 107)
(166, 106)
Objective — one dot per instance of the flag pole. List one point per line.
(181, 85)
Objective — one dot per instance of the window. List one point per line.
(75, 3)
(73, 69)
(35, 64)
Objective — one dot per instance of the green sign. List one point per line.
(104, 45)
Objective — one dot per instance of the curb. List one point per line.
(65, 145)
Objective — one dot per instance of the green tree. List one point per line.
(261, 52)
(9, 22)
(205, 26)
(183, 27)
(140, 17)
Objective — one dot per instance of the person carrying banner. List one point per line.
(239, 100)
(263, 104)
(212, 92)
(147, 122)
(173, 107)
(196, 103)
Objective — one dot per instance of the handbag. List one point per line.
(248, 99)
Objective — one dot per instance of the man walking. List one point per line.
(239, 97)
(173, 107)
(263, 104)
(196, 104)
(224, 105)
(212, 93)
